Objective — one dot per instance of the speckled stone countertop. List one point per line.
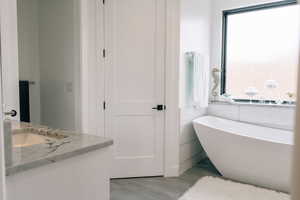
(63, 145)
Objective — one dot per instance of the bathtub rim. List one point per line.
(270, 140)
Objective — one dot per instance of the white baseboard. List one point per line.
(188, 164)
(172, 171)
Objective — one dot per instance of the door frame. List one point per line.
(172, 117)
(92, 67)
(296, 156)
(296, 167)
(2, 160)
(3, 6)
(92, 43)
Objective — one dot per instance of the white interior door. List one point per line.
(10, 65)
(135, 43)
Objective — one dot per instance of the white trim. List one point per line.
(188, 164)
(77, 61)
(84, 62)
(92, 117)
(296, 161)
(172, 124)
(296, 156)
(8, 10)
(2, 160)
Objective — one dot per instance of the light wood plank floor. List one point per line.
(160, 188)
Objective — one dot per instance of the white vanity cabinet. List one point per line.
(82, 177)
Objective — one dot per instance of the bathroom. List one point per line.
(149, 99)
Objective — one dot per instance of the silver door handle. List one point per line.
(12, 113)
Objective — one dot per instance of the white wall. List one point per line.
(296, 156)
(59, 63)
(28, 40)
(278, 117)
(195, 36)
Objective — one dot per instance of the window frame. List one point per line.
(227, 13)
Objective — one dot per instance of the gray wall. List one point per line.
(59, 62)
(28, 41)
(49, 51)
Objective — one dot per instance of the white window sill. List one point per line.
(252, 104)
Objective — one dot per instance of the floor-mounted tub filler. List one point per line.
(248, 153)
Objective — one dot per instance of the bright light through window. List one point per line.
(262, 52)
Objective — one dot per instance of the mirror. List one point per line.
(49, 62)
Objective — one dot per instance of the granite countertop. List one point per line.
(61, 145)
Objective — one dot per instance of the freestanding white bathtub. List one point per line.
(247, 153)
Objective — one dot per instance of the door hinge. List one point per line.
(104, 105)
(104, 53)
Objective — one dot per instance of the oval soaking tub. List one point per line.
(247, 153)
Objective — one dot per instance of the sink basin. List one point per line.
(29, 139)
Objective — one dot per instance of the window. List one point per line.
(261, 52)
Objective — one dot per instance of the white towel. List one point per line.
(200, 80)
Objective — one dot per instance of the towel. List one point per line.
(200, 82)
(24, 101)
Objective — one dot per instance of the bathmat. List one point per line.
(211, 188)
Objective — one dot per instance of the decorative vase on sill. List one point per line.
(251, 92)
(216, 84)
(271, 85)
(226, 98)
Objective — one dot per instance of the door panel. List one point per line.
(135, 38)
(10, 65)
